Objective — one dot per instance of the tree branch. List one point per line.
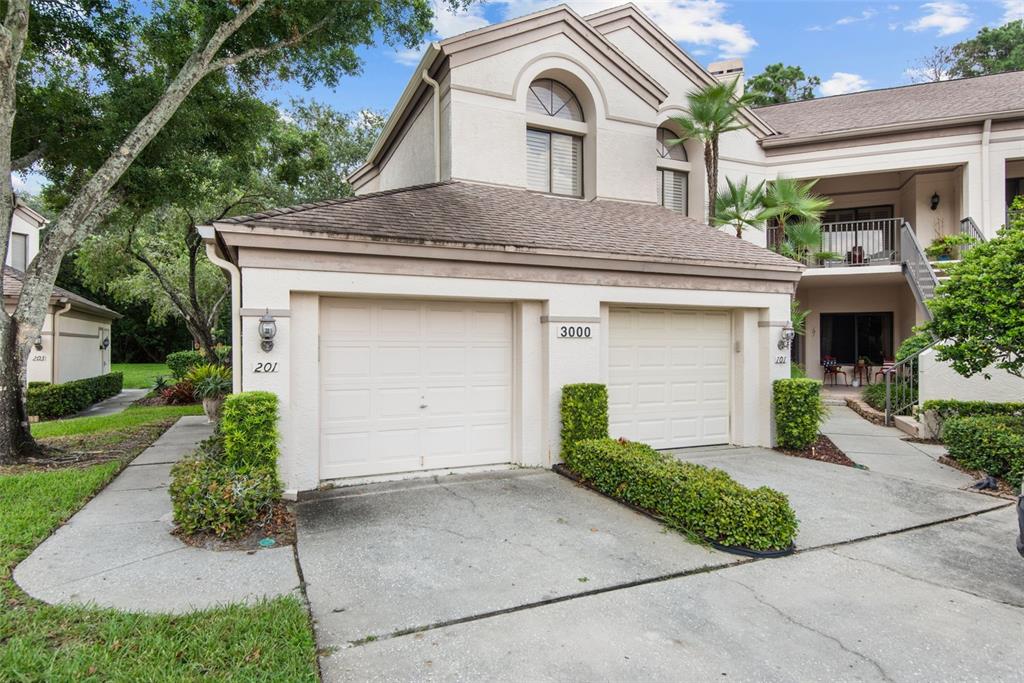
(225, 62)
(25, 161)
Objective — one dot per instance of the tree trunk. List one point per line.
(15, 438)
(711, 168)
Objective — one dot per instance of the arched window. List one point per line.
(673, 177)
(550, 98)
(666, 150)
(554, 158)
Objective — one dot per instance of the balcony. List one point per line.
(873, 242)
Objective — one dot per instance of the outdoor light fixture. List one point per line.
(105, 344)
(935, 201)
(786, 338)
(268, 329)
(38, 342)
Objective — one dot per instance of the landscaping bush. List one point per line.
(696, 499)
(180, 393)
(48, 401)
(180, 362)
(249, 426)
(799, 412)
(994, 444)
(209, 497)
(950, 408)
(919, 341)
(584, 414)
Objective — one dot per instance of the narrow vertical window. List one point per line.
(554, 160)
(19, 251)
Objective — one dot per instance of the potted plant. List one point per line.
(211, 383)
(947, 247)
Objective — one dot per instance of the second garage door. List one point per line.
(412, 385)
(668, 376)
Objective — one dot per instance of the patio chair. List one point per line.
(833, 369)
(888, 368)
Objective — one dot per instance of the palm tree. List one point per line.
(711, 111)
(787, 199)
(740, 206)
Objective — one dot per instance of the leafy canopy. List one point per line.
(711, 112)
(979, 312)
(780, 83)
(992, 51)
(740, 206)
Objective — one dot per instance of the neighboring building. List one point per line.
(521, 224)
(75, 341)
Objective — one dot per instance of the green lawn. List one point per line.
(140, 375)
(270, 641)
(130, 417)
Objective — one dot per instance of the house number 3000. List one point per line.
(574, 331)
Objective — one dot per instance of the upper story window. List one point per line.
(666, 150)
(19, 251)
(550, 98)
(554, 158)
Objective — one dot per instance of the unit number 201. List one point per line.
(265, 367)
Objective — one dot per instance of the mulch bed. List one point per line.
(86, 450)
(1003, 490)
(824, 450)
(279, 524)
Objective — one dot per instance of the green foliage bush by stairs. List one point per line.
(992, 443)
(874, 394)
(693, 498)
(799, 412)
(181, 362)
(584, 414)
(232, 477)
(49, 401)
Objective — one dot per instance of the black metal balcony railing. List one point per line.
(851, 243)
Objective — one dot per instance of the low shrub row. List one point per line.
(992, 443)
(49, 401)
(231, 480)
(181, 362)
(950, 408)
(799, 412)
(693, 498)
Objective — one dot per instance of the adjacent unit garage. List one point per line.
(669, 375)
(413, 385)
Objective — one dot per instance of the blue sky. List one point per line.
(849, 45)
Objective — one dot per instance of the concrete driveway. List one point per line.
(522, 575)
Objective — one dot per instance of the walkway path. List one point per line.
(114, 404)
(883, 449)
(117, 551)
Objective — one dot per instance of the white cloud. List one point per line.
(946, 16)
(1012, 10)
(921, 74)
(409, 57)
(696, 22)
(863, 16)
(842, 83)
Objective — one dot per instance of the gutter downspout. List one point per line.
(437, 123)
(986, 174)
(54, 356)
(236, 319)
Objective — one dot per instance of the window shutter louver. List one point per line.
(537, 160)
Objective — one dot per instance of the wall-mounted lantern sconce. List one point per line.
(268, 329)
(38, 342)
(105, 344)
(786, 338)
(935, 201)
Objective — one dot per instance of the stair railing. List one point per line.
(901, 386)
(970, 228)
(917, 269)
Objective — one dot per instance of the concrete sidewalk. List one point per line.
(117, 551)
(885, 450)
(114, 404)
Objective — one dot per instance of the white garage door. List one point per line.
(668, 376)
(409, 385)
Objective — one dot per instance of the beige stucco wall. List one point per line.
(543, 362)
(22, 224)
(940, 381)
(79, 353)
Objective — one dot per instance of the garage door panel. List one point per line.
(668, 376)
(414, 385)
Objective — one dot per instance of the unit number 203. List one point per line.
(574, 331)
(265, 367)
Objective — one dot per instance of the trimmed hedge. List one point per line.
(799, 412)
(994, 444)
(249, 426)
(49, 401)
(584, 414)
(693, 498)
(950, 408)
(209, 497)
(180, 362)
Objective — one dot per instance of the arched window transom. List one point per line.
(666, 150)
(548, 97)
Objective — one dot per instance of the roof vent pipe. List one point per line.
(437, 123)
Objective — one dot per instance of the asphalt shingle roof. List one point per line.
(12, 290)
(469, 214)
(907, 104)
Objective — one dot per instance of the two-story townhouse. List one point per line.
(522, 224)
(75, 339)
